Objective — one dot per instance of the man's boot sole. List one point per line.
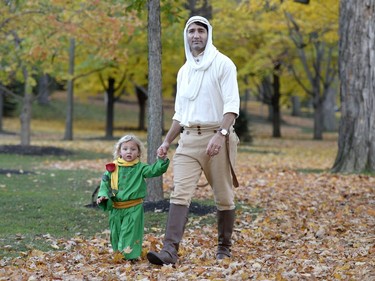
(222, 256)
(154, 259)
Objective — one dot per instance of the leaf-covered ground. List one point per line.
(295, 221)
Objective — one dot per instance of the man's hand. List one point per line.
(215, 144)
(218, 140)
(162, 150)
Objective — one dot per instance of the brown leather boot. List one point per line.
(177, 218)
(225, 223)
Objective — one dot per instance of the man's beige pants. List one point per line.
(191, 159)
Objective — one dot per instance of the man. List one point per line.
(207, 104)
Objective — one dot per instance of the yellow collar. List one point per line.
(121, 162)
(114, 175)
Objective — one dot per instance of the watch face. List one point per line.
(224, 132)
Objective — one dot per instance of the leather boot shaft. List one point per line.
(225, 224)
(177, 219)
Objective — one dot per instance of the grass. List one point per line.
(46, 202)
(51, 201)
(37, 202)
(286, 178)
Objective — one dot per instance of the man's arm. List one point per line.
(173, 132)
(228, 120)
(218, 140)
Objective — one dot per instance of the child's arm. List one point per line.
(156, 169)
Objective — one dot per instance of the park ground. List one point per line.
(295, 219)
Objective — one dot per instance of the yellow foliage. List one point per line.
(112, 39)
(255, 34)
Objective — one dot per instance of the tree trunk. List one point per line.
(110, 102)
(2, 93)
(142, 102)
(318, 121)
(44, 89)
(270, 112)
(275, 100)
(25, 116)
(329, 111)
(318, 101)
(70, 94)
(296, 106)
(154, 136)
(247, 95)
(356, 142)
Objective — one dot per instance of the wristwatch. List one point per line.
(223, 132)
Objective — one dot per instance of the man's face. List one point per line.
(197, 38)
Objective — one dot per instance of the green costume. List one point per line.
(127, 223)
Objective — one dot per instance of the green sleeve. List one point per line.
(104, 190)
(156, 169)
(106, 205)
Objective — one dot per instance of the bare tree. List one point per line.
(155, 117)
(356, 141)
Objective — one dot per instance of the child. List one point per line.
(121, 192)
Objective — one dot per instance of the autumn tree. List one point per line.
(356, 142)
(21, 60)
(200, 8)
(101, 31)
(128, 74)
(49, 30)
(263, 52)
(315, 40)
(259, 47)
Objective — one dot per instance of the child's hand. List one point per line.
(101, 199)
(161, 154)
(162, 151)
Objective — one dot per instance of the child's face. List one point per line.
(129, 151)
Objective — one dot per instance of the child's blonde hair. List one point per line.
(126, 138)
